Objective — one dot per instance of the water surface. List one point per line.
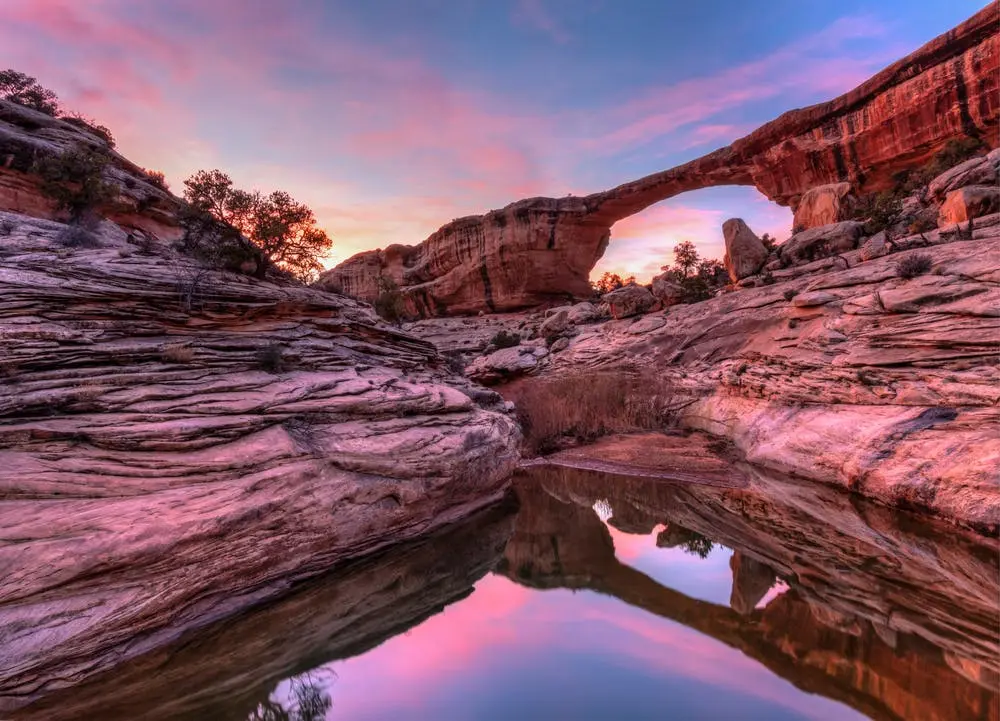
(596, 597)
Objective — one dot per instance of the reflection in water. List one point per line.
(606, 601)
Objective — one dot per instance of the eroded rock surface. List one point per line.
(177, 443)
(140, 203)
(745, 253)
(541, 250)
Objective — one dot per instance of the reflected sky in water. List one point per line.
(510, 652)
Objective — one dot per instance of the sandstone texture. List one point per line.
(140, 203)
(177, 443)
(972, 201)
(886, 386)
(541, 250)
(823, 205)
(838, 369)
(745, 253)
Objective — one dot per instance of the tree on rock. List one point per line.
(74, 179)
(611, 281)
(25, 90)
(282, 228)
(685, 258)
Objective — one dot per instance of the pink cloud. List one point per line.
(534, 14)
(169, 92)
(720, 133)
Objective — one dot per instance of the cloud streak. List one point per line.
(400, 144)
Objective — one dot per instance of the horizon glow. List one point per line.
(392, 118)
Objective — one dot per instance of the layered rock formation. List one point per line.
(893, 617)
(885, 385)
(542, 250)
(140, 202)
(228, 670)
(177, 443)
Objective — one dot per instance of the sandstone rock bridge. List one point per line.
(543, 249)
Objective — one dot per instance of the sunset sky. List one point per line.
(392, 117)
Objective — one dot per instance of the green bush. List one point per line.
(503, 339)
(913, 265)
(74, 179)
(389, 302)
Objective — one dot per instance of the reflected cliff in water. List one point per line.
(609, 597)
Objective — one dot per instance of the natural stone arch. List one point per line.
(542, 249)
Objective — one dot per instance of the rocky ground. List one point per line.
(827, 358)
(177, 443)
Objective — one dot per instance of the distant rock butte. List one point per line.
(542, 249)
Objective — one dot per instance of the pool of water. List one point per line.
(591, 596)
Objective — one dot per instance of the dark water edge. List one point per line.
(882, 612)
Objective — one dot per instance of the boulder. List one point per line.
(628, 301)
(977, 171)
(821, 242)
(969, 202)
(505, 363)
(582, 312)
(666, 291)
(745, 253)
(823, 205)
(561, 344)
(555, 325)
(751, 582)
(875, 247)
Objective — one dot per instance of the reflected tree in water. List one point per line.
(307, 701)
(676, 536)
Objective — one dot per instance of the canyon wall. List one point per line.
(178, 443)
(542, 249)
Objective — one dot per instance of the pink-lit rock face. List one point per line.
(24, 134)
(840, 370)
(542, 250)
(176, 443)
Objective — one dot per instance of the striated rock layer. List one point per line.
(139, 202)
(178, 443)
(542, 249)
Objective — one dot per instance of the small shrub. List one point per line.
(7, 226)
(789, 293)
(768, 241)
(585, 406)
(956, 151)
(157, 178)
(913, 265)
(91, 126)
(921, 225)
(878, 210)
(75, 236)
(177, 353)
(503, 339)
(389, 302)
(271, 358)
(25, 90)
(74, 179)
(798, 228)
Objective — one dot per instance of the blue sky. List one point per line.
(391, 118)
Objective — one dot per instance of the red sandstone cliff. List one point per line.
(543, 249)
